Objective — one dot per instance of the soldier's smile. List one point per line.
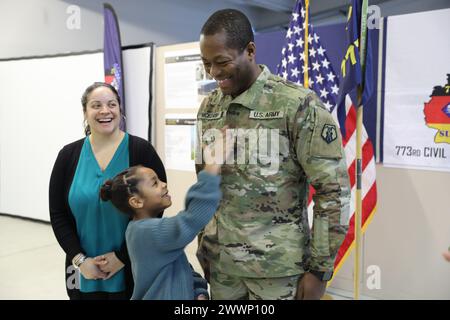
(224, 83)
(230, 67)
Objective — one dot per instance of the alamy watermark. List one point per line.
(73, 21)
(373, 280)
(373, 17)
(249, 146)
(73, 279)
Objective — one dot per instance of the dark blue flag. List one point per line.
(112, 56)
(351, 71)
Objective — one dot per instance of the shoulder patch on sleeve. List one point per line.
(326, 140)
(329, 133)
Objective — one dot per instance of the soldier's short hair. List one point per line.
(235, 24)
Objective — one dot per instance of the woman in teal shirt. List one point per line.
(92, 232)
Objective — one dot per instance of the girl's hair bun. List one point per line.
(105, 190)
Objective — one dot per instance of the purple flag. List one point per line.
(112, 56)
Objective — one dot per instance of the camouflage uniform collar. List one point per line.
(252, 94)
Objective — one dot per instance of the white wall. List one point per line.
(406, 238)
(36, 27)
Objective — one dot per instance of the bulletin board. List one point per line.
(181, 84)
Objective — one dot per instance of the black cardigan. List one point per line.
(61, 217)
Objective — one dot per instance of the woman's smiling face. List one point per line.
(102, 111)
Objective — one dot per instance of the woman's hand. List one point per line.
(109, 264)
(91, 271)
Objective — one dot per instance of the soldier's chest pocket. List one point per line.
(209, 128)
(268, 145)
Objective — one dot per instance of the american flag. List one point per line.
(322, 78)
(325, 83)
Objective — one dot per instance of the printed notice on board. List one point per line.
(417, 100)
(180, 132)
(186, 82)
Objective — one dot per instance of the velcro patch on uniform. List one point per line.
(266, 114)
(329, 133)
(326, 140)
(211, 115)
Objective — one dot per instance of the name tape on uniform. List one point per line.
(266, 114)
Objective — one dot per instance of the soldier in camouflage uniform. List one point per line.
(259, 244)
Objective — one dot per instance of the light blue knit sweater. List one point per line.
(160, 267)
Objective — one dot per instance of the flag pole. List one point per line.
(359, 118)
(305, 62)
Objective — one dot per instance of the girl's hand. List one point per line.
(219, 151)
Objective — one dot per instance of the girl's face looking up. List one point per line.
(153, 193)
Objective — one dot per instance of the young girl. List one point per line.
(156, 245)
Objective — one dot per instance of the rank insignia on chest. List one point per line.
(329, 133)
(233, 113)
(211, 115)
(266, 114)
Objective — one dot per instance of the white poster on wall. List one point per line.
(417, 91)
(179, 134)
(186, 82)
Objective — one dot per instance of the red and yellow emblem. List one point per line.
(437, 112)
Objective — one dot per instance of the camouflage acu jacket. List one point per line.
(285, 140)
